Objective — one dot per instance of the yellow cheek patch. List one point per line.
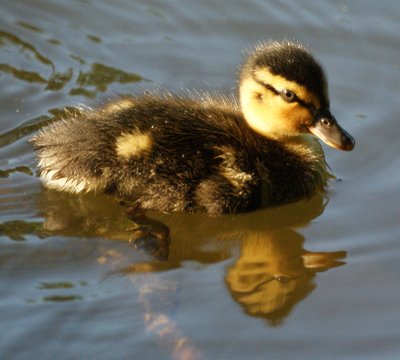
(280, 83)
(293, 116)
(268, 114)
(133, 144)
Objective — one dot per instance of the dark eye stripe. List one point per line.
(307, 105)
(268, 87)
(301, 102)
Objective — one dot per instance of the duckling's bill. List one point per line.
(325, 127)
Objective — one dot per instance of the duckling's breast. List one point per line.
(290, 170)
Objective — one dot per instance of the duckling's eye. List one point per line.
(325, 122)
(288, 95)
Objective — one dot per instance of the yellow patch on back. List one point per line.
(133, 144)
(230, 170)
(119, 105)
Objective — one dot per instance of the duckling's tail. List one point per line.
(66, 161)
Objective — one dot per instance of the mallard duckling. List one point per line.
(171, 153)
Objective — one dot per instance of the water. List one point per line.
(317, 279)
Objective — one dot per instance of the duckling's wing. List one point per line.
(197, 158)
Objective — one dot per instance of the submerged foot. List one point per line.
(148, 235)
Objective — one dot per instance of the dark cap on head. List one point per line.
(293, 62)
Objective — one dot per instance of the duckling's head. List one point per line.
(283, 92)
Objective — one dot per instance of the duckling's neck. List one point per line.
(306, 140)
(308, 146)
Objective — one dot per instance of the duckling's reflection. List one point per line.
(271, 275)
(274, 273)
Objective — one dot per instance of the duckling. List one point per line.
(174, 153)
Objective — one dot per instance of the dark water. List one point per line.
(317, 279)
